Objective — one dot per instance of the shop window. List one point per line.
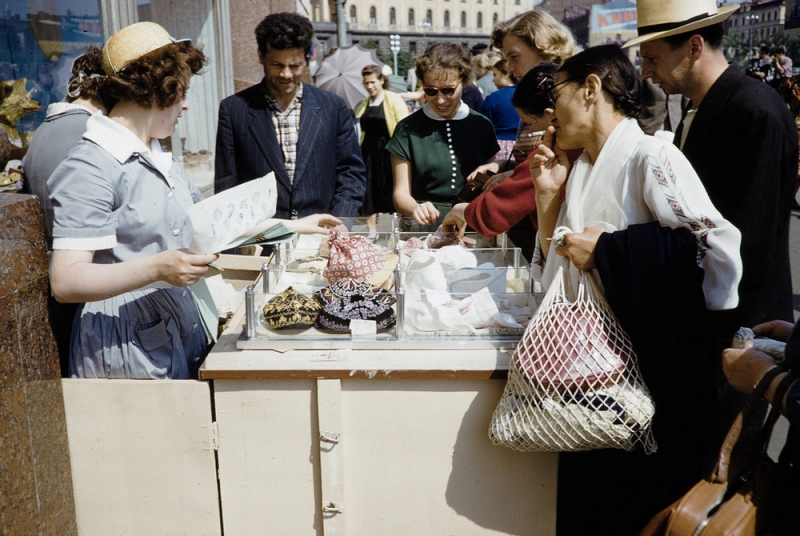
(39, 48)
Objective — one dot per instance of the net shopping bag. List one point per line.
(574, 382)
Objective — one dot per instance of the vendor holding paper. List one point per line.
(121, 225)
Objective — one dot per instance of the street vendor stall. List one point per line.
(379, 432)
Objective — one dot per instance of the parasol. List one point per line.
(340, 73)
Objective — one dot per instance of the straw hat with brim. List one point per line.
(662, 18)
(133, 42)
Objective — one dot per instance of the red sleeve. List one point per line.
(505, 205)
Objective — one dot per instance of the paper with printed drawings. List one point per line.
(223, 220)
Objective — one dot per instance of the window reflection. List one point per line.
(36, 54)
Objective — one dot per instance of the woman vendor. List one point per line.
(121, 228)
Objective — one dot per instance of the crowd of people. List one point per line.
(688, 233)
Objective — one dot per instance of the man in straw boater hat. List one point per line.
(739, 136)
(742, 141)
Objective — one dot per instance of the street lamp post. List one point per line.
(751, 18)
(394, 46)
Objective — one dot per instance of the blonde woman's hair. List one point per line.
(500, 29)
(538, 29)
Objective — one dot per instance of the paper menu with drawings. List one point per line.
(221, 221)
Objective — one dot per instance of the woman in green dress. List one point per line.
(435, 148)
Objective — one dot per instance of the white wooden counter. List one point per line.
(370, 442)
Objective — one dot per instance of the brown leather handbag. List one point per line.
(726, 505)
(473, 188)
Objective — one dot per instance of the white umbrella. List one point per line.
(340, 73)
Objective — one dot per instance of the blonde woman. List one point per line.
(378, 116)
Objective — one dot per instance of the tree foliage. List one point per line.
(405, 60)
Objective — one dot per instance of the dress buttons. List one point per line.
(194, 327)
(169, 195)
(183, 294)
(176, 232)
(452, 186)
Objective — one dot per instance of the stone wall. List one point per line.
(35, 480)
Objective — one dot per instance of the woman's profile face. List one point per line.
(445, 82)
(535, 123)
(521, 57)
(373, 85)
(167, 118)
(568, 118)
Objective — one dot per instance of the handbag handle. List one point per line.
(720, 473)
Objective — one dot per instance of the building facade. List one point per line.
(756, 22)
(419, 23)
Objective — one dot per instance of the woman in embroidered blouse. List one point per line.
(378, 116)
(624, 185)
(436, 147)
(121, 228)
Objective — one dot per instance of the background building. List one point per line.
(419, 23)
(757, 22)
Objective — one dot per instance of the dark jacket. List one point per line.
(743, 145)
(329, 173)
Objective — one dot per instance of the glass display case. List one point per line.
(481, 291)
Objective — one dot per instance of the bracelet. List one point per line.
(763, 382)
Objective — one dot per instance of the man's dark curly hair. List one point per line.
(159, 78)
(284, 30)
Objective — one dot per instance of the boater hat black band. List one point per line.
(670, 25)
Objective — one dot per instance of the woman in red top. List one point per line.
(501, 207)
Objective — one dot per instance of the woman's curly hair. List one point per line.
(540, 30)
(619, 77)
(159, 78)
(87, 76)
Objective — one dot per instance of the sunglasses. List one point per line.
(433, 91)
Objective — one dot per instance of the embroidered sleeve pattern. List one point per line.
(665, 176)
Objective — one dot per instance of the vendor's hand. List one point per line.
(778, 330)
(425, 213)
(314, 224)
(549, 166)
(489, 168)
(579, 247)
(744, 367)
(495, 180)
(179, 268)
